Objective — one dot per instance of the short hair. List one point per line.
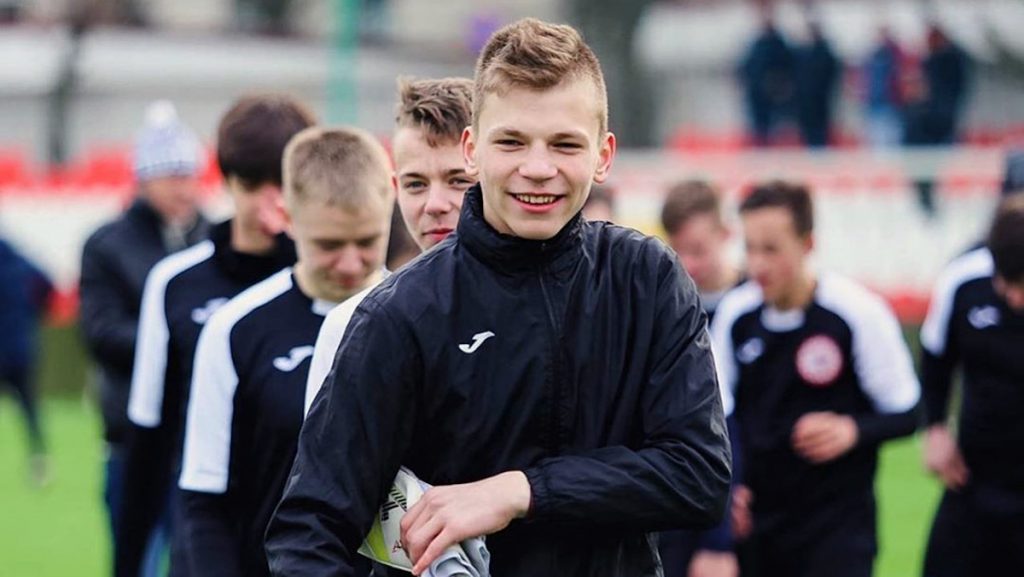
(537, 55)
(687, 199)
(791, 196)
(253, 134)
(441, 108)
(1006, 239)
(336, 166)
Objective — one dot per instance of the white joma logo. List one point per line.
(294, 358)
(202, 314)
(983, 317)
(478, 339)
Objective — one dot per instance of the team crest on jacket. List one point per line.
(819, 360)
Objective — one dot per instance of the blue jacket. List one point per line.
(582, 360)
(24, 292)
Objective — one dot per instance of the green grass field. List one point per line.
(61, 530)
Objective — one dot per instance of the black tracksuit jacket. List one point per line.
(596, 381)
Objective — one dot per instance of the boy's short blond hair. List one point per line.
(441, 108)
(336, 166)
(537, 55)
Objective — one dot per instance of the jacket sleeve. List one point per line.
(350, 449)
(886, 374)
(679, 475)
(149, 449)
(108, 323)
(211, 536)
(210, 528)
(940, 352)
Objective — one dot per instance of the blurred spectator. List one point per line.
(946, 69)
(1013, 179)
(24, 293)
(884, 96)
(766, 74)
(935, 102)
(118, 256)
(817, 73)
(600, 205)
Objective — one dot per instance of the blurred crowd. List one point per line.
(907, 98)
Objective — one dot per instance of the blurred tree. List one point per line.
(609, 27)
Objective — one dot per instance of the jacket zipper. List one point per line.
(556, 388)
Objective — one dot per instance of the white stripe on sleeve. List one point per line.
(935, 330)
(881, 357)
(146, 397)
(734, 304)
(205, 466)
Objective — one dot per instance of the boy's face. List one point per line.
(536, 153)
(340, 250)
(175, 198)
(776, 254)
(258, 207)
(701, 242)
(431, 182)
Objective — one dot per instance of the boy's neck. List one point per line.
(310, 287)
(250, 241)
(800, 295)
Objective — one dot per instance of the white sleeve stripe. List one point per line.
(734, 304)
(935, 330)
(207, 454)
(327, 343)
(881, 357)
(146, 394)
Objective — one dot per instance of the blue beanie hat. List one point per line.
(164, 146)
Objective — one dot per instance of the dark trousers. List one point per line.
(978, 531)
(19, 379)
(813, 545)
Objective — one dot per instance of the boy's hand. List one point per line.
(451, 514)
(825, 436)
(942, 456)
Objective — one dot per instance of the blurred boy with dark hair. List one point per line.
(819, 376)
(182, 293)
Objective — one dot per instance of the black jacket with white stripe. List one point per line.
(970, 327)
(181, 293)
(845, 354)
(244, 414)
(582, 360)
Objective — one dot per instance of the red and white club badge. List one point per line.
(819, 361)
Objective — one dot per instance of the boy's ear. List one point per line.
(469, 152)
(606, 154)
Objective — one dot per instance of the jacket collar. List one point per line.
(512, 254)
(250, 268)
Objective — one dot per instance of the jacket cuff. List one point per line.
(539, 494)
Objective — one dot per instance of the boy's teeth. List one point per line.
(536, 198)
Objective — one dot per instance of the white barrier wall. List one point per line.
(870, 223)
